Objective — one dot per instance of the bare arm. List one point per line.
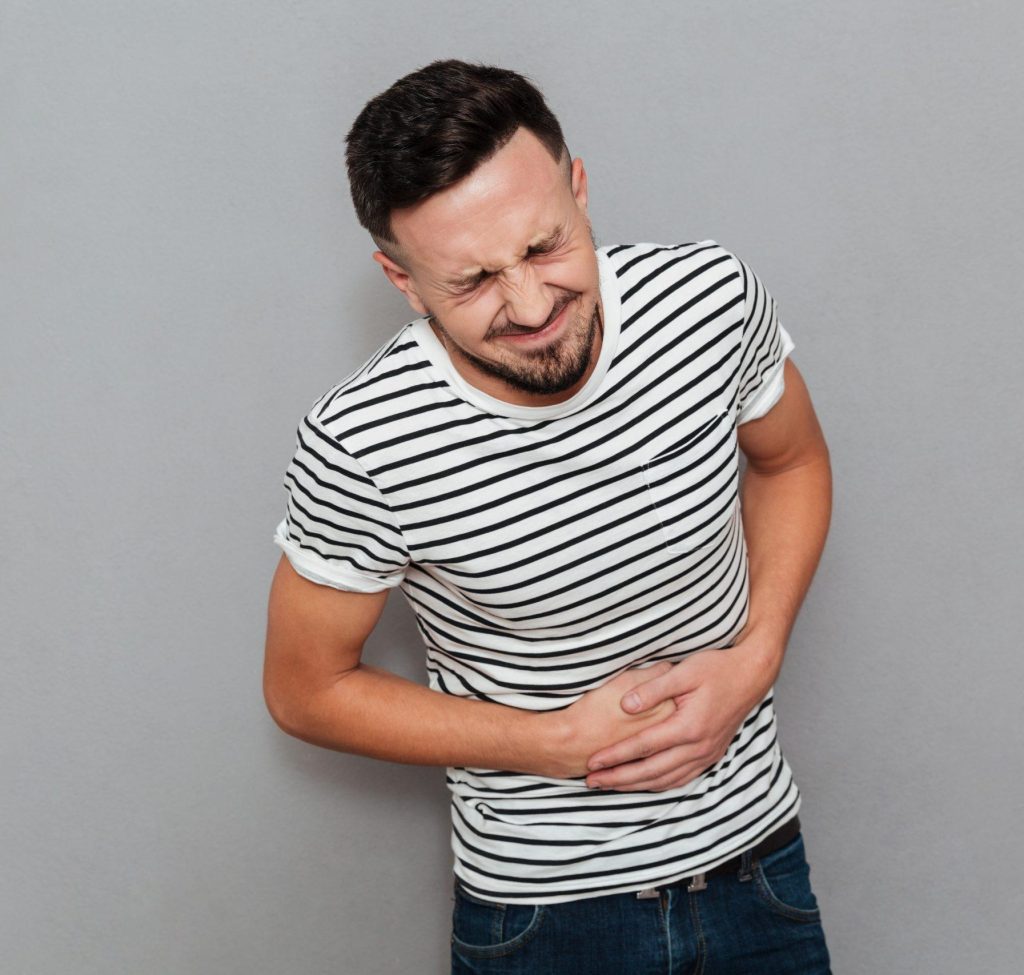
(787, 507)
(317, 689)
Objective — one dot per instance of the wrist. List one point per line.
(552, 735)
(761, 649)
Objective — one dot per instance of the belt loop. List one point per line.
(746, 866)
(699, 881)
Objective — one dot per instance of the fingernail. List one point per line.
(595, 766)
(632, 701)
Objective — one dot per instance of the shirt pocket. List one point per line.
(692, 485)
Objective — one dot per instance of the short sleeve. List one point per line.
(339, 530)
(764, 347)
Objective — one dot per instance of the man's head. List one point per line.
(432, 128)
(462, 177)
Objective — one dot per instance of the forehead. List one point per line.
(487, 220)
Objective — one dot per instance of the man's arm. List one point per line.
(317, 689)
(787, 507)
(787, 504)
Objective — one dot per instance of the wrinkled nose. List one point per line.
(528, 301)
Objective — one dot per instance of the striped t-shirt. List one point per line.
(545, 549)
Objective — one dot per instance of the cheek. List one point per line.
(471, 323)
(583, 277)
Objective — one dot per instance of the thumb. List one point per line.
(650, 691)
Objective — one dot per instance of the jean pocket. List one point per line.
(692, 485)
(482, 929)
(783, 882)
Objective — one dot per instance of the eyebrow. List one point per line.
(465, 280)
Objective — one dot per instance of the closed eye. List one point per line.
(548, 246)
(473, 285)
(539, 250)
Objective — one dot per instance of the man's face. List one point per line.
(504, 264)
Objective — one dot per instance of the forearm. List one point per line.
(786, 516)
(375, 713)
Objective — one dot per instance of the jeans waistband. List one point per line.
(741, 863)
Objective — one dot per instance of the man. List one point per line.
(546, 463)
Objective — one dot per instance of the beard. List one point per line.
(554, 368)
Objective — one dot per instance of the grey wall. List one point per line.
(183, 275)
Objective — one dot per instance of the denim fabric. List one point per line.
(761, 920)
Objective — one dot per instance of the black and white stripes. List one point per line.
(546, 549)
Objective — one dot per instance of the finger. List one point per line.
(662, 684)
(678, 777)
(639, 675)
(659, 737)
(665, 762)
(661, 783)
(664, 783)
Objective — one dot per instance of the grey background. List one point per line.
(183, 275)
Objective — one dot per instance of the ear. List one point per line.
(579, 183)
(402, 280)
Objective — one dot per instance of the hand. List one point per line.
(713, 692)
(597, 720)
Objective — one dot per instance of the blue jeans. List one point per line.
(761, 920)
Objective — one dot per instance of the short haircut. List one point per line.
(432, 128)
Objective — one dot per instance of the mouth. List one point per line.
(540, 335)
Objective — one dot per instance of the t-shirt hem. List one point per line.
(772, 385)
(316, 570)
(637, 885)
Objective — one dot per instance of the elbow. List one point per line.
(278, 714)
(281, 710)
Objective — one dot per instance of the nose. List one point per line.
(528, 301)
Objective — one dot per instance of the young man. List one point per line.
(546, 463)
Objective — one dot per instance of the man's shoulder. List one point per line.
(623, 252)
(624, 258)
(366, 390)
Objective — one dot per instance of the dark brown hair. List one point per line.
(432, 128)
